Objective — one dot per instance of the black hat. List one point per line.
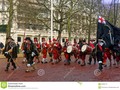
(28, 38)
(84, 40)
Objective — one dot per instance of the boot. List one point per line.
(14, 66)
(50, 60)
(53, 62)
(38, 60)
(67, 62)
(94, 61)
(79, 62)
(33, 67)
(90, 60)
(83, 63)
(7, 67)
(44, 61)
(117, 65)
(100, 66)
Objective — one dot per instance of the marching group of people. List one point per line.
(53, 49)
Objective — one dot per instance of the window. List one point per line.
(19, 39)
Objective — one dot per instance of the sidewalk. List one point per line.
(19, 56)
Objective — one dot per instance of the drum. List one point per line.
(86, 49)
(69, 49)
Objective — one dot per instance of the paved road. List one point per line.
(58, 72)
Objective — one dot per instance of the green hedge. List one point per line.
(3, 28)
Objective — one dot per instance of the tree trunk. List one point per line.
(89, 30)
(60, 32)
(59, 36)
(10, 18)
(69, 29)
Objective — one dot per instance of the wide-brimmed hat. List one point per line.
(28, 38)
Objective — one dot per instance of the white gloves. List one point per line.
(6, 52)
(33, 54)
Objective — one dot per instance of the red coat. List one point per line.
(55, 50)
(65, 53)
(92, 45)
(76, 50)
(38, 46)
(50, 48)
(107, 54)
(44, 49)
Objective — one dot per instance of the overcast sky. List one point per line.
(109, 1)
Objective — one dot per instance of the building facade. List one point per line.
(24, 23)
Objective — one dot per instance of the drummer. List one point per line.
(76, 50)
(59, 50)
(37, 44)
(66, 54)
(92, 54)
(82, 54)
(44, 51)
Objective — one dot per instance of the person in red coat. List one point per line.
(92, 54)
(82, 54)
(66, 54)
(59, 50)
(23, 51)
(50, 50)
(44, 51)
(55, 52)
(37, 44)
(76, 50)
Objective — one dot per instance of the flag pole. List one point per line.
(51, 19)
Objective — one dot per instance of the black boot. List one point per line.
(67, 62)
(7, 67)
(100, 66)
(94, 61)
(50, 60)
(14, 66)
(90, 60)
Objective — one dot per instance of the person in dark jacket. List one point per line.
(10, 52)
(100, 52)
(30, 52)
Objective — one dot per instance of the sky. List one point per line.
(109, 1)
